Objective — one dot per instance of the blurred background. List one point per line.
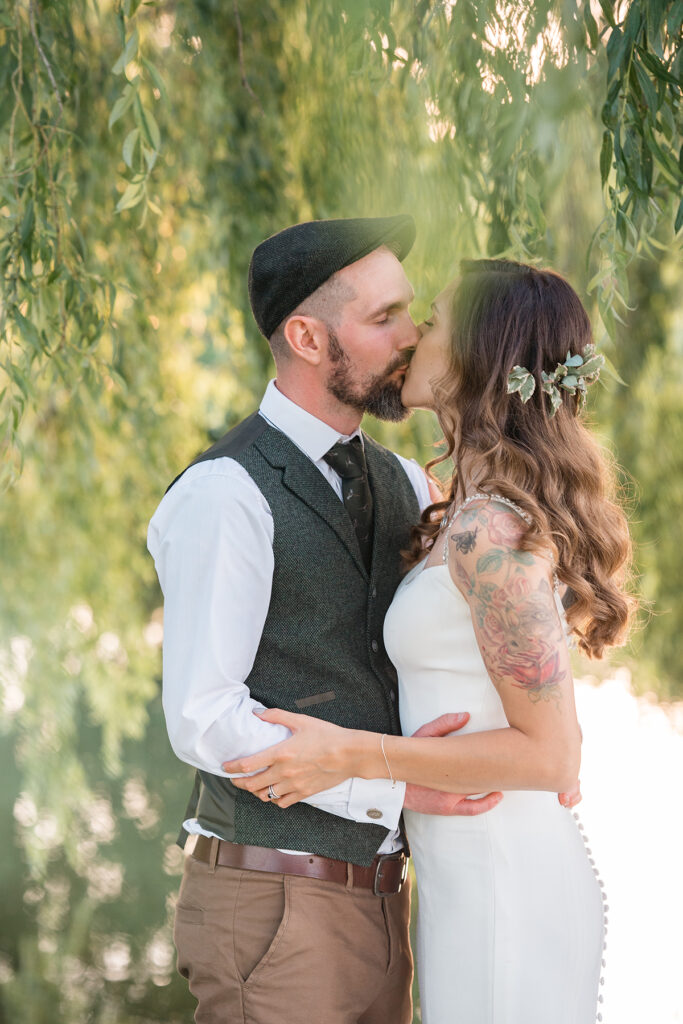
(146, 149)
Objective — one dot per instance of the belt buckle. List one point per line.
(382, 859)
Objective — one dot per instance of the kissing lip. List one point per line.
(403, 368)
(397, 376)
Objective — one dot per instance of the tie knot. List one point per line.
(347, 459)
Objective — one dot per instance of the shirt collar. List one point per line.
(311, 435)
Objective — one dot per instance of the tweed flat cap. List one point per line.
(289, 266)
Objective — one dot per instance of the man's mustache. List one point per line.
(401, 362)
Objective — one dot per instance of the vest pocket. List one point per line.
(317, 698)
(261, 913)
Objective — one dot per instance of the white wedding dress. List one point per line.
(510, 911)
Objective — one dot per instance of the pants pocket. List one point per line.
(189, 915)
(260, 919)
(194, 931)
(187, 936)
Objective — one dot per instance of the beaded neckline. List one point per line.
(477, 496)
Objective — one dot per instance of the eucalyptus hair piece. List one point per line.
(573, 376)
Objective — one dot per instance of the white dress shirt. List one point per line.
(211, 539)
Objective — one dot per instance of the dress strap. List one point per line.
(478, 496)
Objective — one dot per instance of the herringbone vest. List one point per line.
(321, 650)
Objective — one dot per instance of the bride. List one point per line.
(510, 927)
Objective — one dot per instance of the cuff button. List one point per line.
(374, 813)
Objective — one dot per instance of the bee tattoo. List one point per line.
(465, 541)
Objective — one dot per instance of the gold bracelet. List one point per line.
(393, 780)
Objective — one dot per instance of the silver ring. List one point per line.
(272, 795)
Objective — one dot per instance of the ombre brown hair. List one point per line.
(504, 314)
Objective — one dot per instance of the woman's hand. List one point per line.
(572, 797)
(317, 756)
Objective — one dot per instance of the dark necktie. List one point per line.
(349, 461)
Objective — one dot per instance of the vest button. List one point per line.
(375, 646)
(374, 813)
(373, 592)
(393, 696)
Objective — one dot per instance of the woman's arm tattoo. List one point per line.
(518, 628)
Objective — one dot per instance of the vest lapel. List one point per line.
(304, 479)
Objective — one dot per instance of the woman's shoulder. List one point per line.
(488, 519)
(484, 540)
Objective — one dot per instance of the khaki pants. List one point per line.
(260, 948)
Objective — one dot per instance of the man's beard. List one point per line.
(377, 395)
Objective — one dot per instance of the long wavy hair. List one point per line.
(504, 314)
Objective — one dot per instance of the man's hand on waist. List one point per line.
(434, 801)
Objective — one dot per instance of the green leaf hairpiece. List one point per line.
(573, 375)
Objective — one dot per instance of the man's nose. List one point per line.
(411, 335)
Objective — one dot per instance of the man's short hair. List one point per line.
(325, 303)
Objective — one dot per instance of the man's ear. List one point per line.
(307, 338)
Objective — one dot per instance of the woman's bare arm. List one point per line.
(522, 642)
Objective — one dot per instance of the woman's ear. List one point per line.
(307, 338)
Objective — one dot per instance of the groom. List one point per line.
(278, 553)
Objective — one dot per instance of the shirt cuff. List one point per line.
(377, 801)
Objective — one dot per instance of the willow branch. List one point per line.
(48, 68)
(240, 52)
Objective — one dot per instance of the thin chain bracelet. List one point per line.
(381, 743)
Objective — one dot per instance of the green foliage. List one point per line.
(643, 423)
(639, 162)
(522, 381)
(142, 144)
(147, 149)
(54, 304)
(659, 471)
(495, 82)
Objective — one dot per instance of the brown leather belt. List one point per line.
(385, 876)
